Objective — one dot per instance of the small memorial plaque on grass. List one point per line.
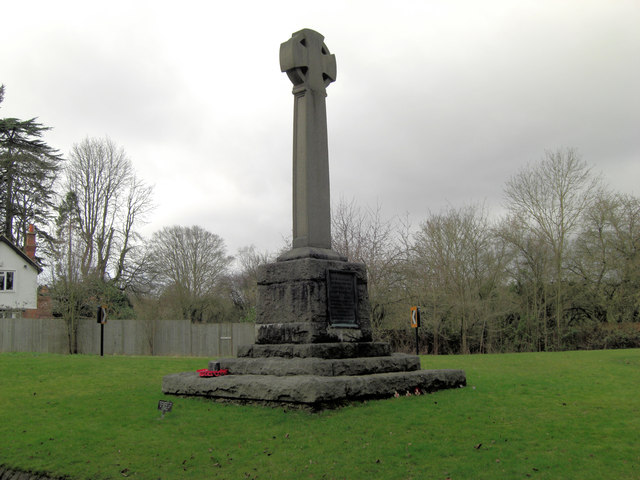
(164, 406)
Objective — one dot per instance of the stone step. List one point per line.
(397, 362)
(313, 391)
(317, 350)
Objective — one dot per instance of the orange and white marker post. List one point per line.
(415, 323)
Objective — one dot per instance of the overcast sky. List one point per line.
(437, 103)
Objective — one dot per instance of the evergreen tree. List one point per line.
(28, 170)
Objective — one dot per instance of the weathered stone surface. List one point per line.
(311, 252)
(319, 350)
(292, 303)
(317, 366)
(305, 332)
(310, 67)
(290, 332)
(306, 269)
(312, 390)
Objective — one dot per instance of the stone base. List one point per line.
(315, 376)
(311, 391)
(311, 252)
(294, 302)
(333, 367)
(316, 350)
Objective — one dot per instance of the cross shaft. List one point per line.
(311, 68)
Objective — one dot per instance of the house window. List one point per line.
(6, 281)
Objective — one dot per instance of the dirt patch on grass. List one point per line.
(11, 474)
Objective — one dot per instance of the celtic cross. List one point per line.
(307, 61)
(311, 68)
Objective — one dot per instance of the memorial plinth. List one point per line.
(313, 343)
(312, 300)
(312, 391)
(314, 376)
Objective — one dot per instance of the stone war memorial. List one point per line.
(313, 345)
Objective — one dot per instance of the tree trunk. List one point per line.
(8, 203)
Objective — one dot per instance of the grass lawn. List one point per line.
(570, 415)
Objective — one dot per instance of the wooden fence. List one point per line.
(127, 337)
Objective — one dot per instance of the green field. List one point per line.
(570, 415)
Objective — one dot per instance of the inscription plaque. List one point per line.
(342, 299)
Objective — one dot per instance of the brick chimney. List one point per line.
(30, 244)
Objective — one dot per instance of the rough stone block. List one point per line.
(318, 366)
(293, 303)
(318, 350)
(306, 269)
(310, 390)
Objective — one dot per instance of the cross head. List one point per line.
(307, 61)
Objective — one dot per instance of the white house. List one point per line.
(18, 274)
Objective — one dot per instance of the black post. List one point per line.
(101, 315)
(417, 342)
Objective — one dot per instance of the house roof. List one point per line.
(20, 253)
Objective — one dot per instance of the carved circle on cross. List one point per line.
(307, 60)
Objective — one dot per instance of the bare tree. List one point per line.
(189, 263)
(349, 226)
(459, 267)
(528, 268)
(68, 291)
(111, 202)
(96, 238)
(130, 257)
(244, 292)
(606, 259)
(550, 198)
(363, 235)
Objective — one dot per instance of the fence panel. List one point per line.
(126, 337)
